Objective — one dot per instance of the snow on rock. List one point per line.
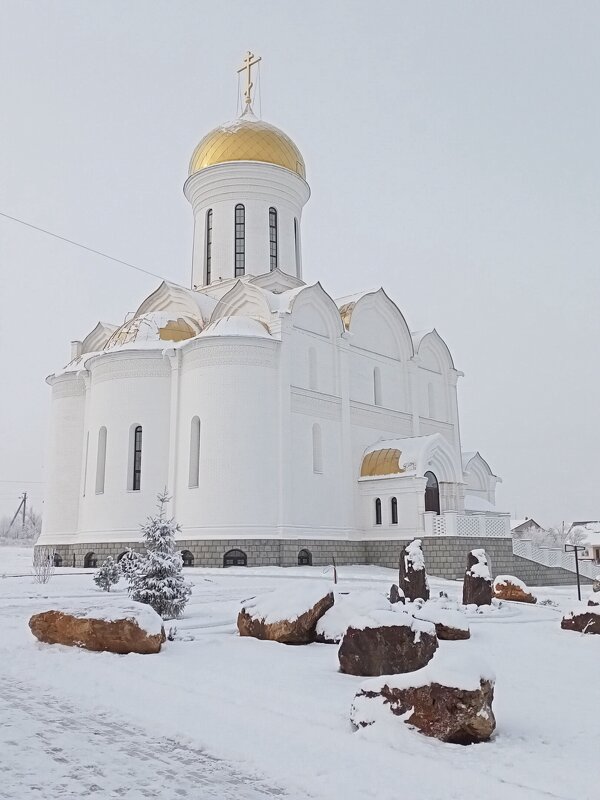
(507, 587)
(449, 699)
(477, 584)
(287, 615)
(385, 642)
(582, 618)
(450, 623)
(348, 606)
(127, 627)
(413, 577)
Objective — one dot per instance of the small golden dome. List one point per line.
(247, 139)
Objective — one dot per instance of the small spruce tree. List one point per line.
(156, 577)
(107, 575)
(128, 563)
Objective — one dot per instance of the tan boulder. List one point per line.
(125, 630)
(385, 643)
(288, 615)
(454, 714)
(507, 587)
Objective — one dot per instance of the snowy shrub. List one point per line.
(108, 574)
(156, 577)
(43, 564)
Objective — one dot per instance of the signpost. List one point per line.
(576, 548)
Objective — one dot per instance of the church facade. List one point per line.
(288, 426)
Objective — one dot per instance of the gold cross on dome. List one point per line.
(250, 61)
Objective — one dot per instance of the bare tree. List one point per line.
(577, 535)
(43, 564)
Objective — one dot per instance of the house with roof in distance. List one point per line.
(525, 527)
(586, 533)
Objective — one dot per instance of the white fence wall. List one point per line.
(553, 557)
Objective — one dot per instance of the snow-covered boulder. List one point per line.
(449, 699)
(124, 628)
(386, 642)
(582, 618)
(450, 623)
(348, 605)
(477, 584)
(288, 615)
(396, 594)
(507, 587)
(413, 577)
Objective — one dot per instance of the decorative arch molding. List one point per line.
(276, 281)
(313, 310)
(245, 300)
(377, 324)
(478, 473)
(433, 352)
(194, 307)
(97, 338)
(441, 461)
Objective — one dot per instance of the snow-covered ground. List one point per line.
(219, 716)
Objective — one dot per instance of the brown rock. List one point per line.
(477, 584)
(300, 630)
(593, 602)
(583, 620)
(448, 633)
(387, 649)
(413, 577)
(115, 636)
(395, 595)
(508, 588)
(452, 715)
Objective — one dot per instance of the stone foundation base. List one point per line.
(445, 556)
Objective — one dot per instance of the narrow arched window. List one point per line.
(432, 493)
(90, 560)
(209, 238)
(317, 443)
(305, 558)
(377, 511)
(194, 471)
(296, 246)
(394, 505)
(240, 240)
(273, 238)
(377, 386)
(312, 368)
(101, 461)
(136, 459)
(431, 400)
(85, 466)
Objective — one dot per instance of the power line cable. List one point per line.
(89, 249)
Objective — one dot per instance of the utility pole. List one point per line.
(21, 508)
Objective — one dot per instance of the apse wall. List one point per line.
(231, 384)
(127, 389)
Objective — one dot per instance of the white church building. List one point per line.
(289, 427)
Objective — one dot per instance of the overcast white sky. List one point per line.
(452, 149)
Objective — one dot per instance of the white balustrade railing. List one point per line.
(553, 557)
(451, 523)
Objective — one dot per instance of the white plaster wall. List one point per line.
(231, 384)
(325, 355)
(127, 388)
(257, 186)
(64, 459)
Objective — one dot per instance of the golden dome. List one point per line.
(247, 139)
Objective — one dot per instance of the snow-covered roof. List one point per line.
(527, 523)
(412, 456)
(591, 531)
(474, 503)
(236, 326)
